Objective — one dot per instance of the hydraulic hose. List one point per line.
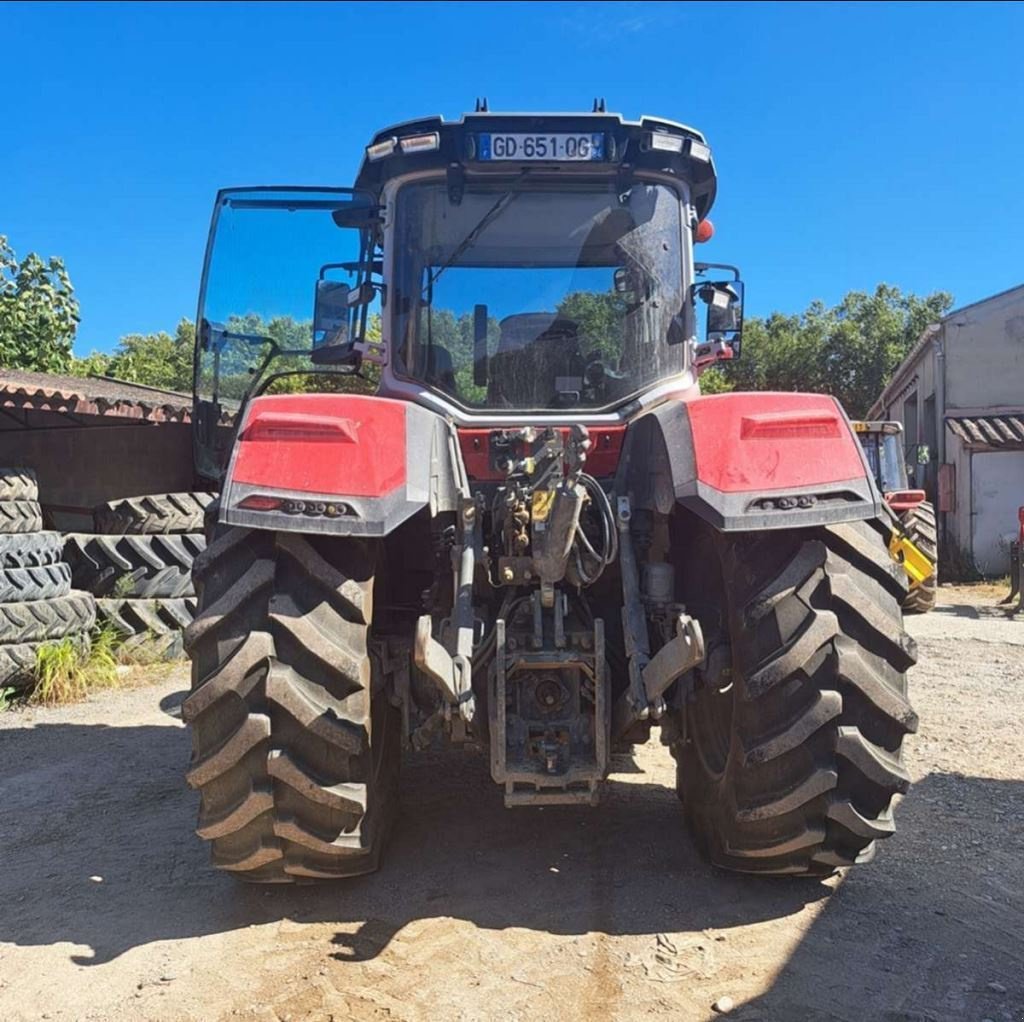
(609, 534)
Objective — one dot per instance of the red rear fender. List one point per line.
(347, 464)
(751, 461)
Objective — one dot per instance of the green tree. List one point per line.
(156, 360)
(38, 312)
(850, 350)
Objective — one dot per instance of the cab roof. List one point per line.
(650, 143)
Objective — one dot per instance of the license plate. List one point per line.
(583, 146)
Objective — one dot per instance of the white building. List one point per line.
(960, 393)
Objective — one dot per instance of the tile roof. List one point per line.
(1005, 430)
(87, 395)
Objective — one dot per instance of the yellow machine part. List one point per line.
(543, 500)
(917, 566)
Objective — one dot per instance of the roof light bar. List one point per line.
(421, 143)
(699, 151)
(665, 143)
(379, 150)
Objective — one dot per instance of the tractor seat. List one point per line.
(537, 358)
(441, 369)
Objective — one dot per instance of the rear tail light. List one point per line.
(259, 502)
(294, 506)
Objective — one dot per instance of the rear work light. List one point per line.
(421, 143)
(379, 150)
(665, 143)
(699, 151)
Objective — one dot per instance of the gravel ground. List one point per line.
(109, 910)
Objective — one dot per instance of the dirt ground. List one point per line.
(109, 910)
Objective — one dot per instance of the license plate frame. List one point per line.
(541, 147)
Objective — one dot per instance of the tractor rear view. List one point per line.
(883, 447)
(471, 493)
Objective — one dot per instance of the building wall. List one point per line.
(984, 346)
(971, 364)
(87, 465)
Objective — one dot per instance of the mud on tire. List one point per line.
(919, 525)
(790, 760)
(295, 749)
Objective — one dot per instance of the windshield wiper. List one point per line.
(504, 200)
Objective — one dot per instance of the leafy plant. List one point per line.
(6, 697)
(38, 312)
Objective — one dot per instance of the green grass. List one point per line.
(66, 672)
(123, 587)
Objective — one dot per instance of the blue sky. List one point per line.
(855, 143)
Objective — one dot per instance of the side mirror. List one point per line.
(724, 324)
(332, 320)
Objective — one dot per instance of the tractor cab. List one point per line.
(882, 443)
(496, 268)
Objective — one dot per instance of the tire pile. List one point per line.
(138, 565)
(37, 602)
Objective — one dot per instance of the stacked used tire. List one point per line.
(138, 565)
(37, 602)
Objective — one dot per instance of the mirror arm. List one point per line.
(704, 267)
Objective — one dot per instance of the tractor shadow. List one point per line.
(932, 932)
(99, 851)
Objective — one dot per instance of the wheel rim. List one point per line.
(712, 721)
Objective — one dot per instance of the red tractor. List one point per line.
(884, 451)
(471, 492)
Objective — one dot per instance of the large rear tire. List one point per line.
(919, 525)
(295, 745)
(790, 757)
